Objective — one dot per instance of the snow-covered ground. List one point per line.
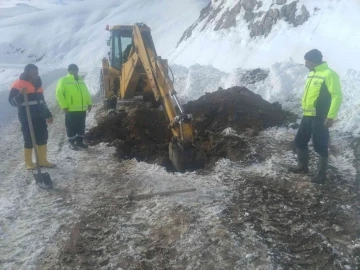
(44, 230)
(237, 216)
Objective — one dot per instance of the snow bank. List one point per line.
(284, 84)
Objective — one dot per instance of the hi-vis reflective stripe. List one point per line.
(75, 83)
(33, 103)
(317, 77)
(312, 110)
(77, 107)
(72, 138)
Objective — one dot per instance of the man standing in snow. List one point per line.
(74, 99)
(30, 83)
(320, 103)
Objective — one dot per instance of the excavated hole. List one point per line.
(225, 121)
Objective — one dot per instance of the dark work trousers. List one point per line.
(75, 125)
(313, 126)
(40, 131)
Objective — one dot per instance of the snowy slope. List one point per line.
(76, 32)
(16, 11)
(40, 4)
(248, 33)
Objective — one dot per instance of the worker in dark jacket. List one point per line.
(30, 83)
(320, 103)
(74, 99)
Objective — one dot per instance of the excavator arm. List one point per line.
(157, 72)
(143, 71)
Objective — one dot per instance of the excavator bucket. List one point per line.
(183, 159)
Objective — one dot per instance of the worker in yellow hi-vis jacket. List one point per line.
(74, 99)
(320, 103)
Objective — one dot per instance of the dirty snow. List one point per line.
(86, 181)
(196, 225)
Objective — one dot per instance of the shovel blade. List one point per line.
(43, 180)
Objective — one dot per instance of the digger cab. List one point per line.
(121, 43)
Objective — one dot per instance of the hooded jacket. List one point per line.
(35, 92)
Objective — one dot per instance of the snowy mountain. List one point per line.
(227, 34)
(251, 33)
(10, 8)
(60, 34)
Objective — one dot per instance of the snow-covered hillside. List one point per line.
(248, 33)
(40, 4)
(13, 8)
(76, 32)
(227, 34)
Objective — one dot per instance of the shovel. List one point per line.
(43, 180)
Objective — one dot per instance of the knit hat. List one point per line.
(314, 56)
(29, 67)
(73, 67)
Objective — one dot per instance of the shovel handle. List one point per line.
(32, 134)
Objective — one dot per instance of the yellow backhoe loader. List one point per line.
(135, 69)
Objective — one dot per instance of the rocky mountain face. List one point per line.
(260, 16)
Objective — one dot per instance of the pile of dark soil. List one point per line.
(139, 133)
(142, 132)
(238, 108)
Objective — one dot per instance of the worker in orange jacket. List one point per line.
(30, 83)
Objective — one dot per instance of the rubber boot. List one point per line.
(322, 166)
(73, 146)
(42, 151)
(303, 162)
(28, 159)
(81, 144)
